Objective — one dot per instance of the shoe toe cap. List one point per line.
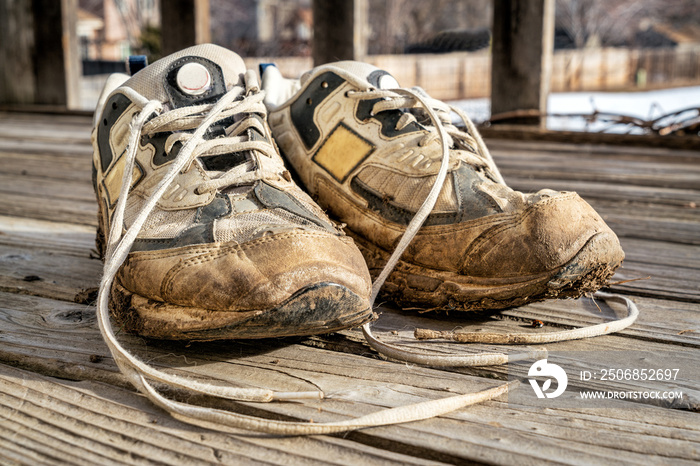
(258, 274)
(545, 236)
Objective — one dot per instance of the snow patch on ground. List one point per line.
(646, 105)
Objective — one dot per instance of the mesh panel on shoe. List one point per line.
(160, 223)
(409, 192)
(148, 82)
(246, 226)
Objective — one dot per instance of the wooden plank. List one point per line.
(32, 131)
(93, 423)
(522, 133)
(594, 149)
(39, 146)
(627, 224)
(669, 322)
(54, 120)
(557, 166)
(608, 351)
(494, 431)
(68, 238)
(48, 189)
(45, 208)
(59, 338)
(44, 273)
(684, 198)
(66, 168)
(662, 253)
(94, 405)
(595, 153)
(60, 254)
(660, 281)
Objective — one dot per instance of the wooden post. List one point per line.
(523, 38)
(184, 23)
(16, 50)
(339, 30)
(41, 63)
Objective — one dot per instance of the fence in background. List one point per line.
(456, 76)
(468, 75)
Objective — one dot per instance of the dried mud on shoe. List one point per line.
(389, 163)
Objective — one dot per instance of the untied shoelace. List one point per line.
(438, 112)
(119, 244)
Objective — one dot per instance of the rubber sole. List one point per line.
(411, 285)
(321, 308)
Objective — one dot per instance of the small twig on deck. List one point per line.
(630, 280)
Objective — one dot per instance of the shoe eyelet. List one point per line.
(104, 122)
(114, 105)
(309, 101)
(324, 85)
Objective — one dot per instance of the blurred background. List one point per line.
(637, 58)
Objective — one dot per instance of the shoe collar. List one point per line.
(362, 75)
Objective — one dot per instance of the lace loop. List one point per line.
(119, 245)
(444, 131)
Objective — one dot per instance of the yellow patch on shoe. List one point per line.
(113, 180)
(343, 150)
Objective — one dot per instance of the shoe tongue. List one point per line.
(195, 75)
(365, 72)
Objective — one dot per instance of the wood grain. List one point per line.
(62, 398)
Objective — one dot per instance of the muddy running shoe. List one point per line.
(370, 153)
(216, 239)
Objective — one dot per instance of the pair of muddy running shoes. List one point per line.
(208, 235)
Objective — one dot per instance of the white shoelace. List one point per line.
(438, 113)
(119, 244)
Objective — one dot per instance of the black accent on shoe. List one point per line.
(387, 119)
(254, 134)
(302, 109)
(394, 213)
(179, 99)
(473, 202)
(223, 162)
(219, 207)
(197, 234)
(113, 109)
(375, 77)
(200, 233)
(160, 157)
(272, 197)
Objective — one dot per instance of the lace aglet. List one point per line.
(286, 396)
(533, 354)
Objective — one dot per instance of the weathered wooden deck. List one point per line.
(63, 400)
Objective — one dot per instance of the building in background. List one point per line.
(263, 27)
(113, 29)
